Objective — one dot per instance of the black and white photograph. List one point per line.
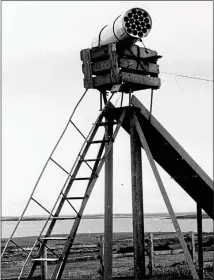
(107, 140)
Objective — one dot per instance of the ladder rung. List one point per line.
(44, 259)
(98, 141)
(63, 218)
(54, 238)
(91, 159)
(75, 197)
(107, 123)
(82, 178)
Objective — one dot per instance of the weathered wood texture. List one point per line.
(133, 67)
(137, 202)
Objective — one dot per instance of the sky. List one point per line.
(42, 81)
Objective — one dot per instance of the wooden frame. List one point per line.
(133, 67)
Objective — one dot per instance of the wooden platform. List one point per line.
(172, 157)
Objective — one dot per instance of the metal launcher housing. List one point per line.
(129, 66)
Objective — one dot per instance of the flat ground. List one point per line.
(84, 262)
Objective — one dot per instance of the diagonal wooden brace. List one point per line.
(166, 199)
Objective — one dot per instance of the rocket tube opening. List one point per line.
(126, 19)
(140, 34)
(138, 28)
(134, 11)
(145, 14)
(146, 20)
(130, 15)
(134, 32)
(139, 13)
(142, 24)
(133, 26)
(129, 30)
(140, 18)
(131, 20)
(127, 24)
(137, 22)
(148, 26)
(144, 30)
(135, 16)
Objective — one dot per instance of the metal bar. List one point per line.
(108, 214)
(41, 205)
(200, 234)
(137, 202)
(101, 103)
(59, 269)
(78, 130)
(59, 166)
(83, 160)
(166, 199)
(34, 188)
(51, 250)
(70, 204)
(151, 103)
(20, 247)
(121, 99)
(20, 275)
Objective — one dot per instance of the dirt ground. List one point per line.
(84, 262)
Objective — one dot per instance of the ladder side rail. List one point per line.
(76, 161)
(43, 169)
(61, 264)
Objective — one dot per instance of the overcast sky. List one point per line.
(43, 80)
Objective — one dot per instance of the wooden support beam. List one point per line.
(166, 199)
(192, 245)
(108, 215)
(200, 248)
(44, 265)
(137, 203)
(151, 254)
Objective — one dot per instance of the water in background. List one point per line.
(156, 224)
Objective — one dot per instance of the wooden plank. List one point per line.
(192, 245)
(99, 53)
(86, 68)
(132, 51)
(108, 207)
(130, 64)
(140, 79)
(102, 80)
(113, 61)
(185, 156)
(100, 66)
(166, 199)
(136, 51)
(200, 237)
(44, 265)
(151, 254)
(135, 65)
(137, 202)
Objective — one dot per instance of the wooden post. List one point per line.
(137, 203)
(166, 200)
(101, 253)
(200, 249)
(108, 221)
(151, 254)
(44, 265)
(192, 245)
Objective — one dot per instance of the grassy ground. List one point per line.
(166, 266)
